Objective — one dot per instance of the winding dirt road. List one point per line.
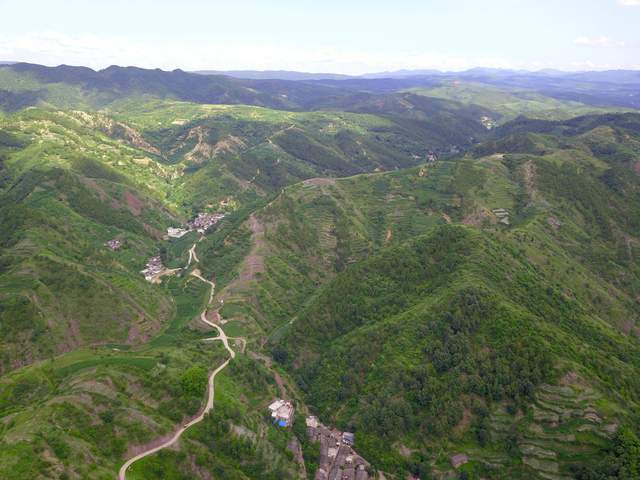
(122, 474)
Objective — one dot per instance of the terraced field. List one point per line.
(566, 425)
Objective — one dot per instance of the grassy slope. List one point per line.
(66, 190)
(56, 416)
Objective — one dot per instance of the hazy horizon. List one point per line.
(408, 72)
(358, 38)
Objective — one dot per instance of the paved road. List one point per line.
(122, 474)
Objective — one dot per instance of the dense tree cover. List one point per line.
(401, 366)
(621, 460)
(13, 101)
(400, 344)
(193, 381)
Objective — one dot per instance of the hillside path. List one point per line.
(122, 474)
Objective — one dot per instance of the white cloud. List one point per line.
(629, 3)
(599, 41)
(54, 48)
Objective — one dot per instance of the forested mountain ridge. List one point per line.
(559, 281)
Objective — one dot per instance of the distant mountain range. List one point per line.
(274, 74)
(298, 90)
(616, 76)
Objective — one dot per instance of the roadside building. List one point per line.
(176, 232)
(282, 412)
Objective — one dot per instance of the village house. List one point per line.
(201, 223)
(488, 122)
(459, 459)
(154, 267)
(114, 244)
(282, 412)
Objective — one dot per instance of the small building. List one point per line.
(502, 215)
(348, 438)
(282, 412)
(114, 244)
(432, 157)
(176, 232)
(488, 122)
(312, 422)
(459, 459)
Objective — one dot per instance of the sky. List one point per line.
(328, 36)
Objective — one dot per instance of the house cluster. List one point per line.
(338, 459)
(282, 412)
(201, 223)
(114, 244)
(502, 215)
(432, 157)
(153, 268)
(204, 221)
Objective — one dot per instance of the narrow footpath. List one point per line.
(211, 386)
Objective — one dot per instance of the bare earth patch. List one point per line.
(254, 262)
(476, 218)
(320, 181)
(134, 204)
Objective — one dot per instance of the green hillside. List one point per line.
(66, 190)
(73, 180)
(509, 103)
